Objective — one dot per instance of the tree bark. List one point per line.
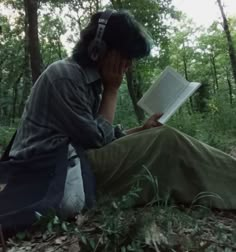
(26, 67)
(31, 10)
(135, 94)
(14, 100)
(230, 87)
(191, 109)
(213, 62)
(231, 49)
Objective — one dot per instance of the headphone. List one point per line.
(98, 47)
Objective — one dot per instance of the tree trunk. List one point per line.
(31, 10)
(230, 88)
(14, 100)
(26, 68)
(231, 48)
(135, 94)
(190, 109)
(213, 63)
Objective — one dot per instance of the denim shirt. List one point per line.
(63, 109)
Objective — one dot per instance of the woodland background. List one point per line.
(34, 33)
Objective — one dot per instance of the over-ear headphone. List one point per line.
(98, 47)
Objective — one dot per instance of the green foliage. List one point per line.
(51, 30)
(6, 134)
(199, 54)
(114, 225)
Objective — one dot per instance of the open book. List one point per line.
(167, 94)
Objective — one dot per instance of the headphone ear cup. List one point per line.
(95, 49)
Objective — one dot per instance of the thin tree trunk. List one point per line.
(231, 49)
(190, 110)
(31, 9)
(59, 48)
(214, 71)
(26, 68)
(14, 100)
(230, 88)
(134, 92)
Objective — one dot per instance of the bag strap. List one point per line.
(5, 155)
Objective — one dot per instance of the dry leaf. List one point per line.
(74, 247)
(60, 240)
(153, 235)
(80, 219)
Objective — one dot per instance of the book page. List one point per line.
(163, 92)
(187, 92)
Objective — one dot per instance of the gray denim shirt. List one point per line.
(63, 109)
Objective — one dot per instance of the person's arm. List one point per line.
(152, 122)
(71, 113)
(108, 104)
(71, 110)
(112, 68)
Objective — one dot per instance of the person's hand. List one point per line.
(152, 122)
(112, 69)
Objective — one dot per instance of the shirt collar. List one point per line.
(91, 74)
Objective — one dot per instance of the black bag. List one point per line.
(37, 185)
(34, 185)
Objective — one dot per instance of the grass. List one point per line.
(115, 225)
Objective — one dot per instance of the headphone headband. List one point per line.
(97, 44)
(105, 16)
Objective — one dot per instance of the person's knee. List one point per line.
(168, 132)
(168, 137)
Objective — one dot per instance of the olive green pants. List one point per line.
(185, 168)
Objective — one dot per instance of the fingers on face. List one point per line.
(110, 61)
(117, 63)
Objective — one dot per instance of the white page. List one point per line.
(165, 92)
(188, 91)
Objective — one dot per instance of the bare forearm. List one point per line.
(152, 122)
(108, 105)
(133, 130)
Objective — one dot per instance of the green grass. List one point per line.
(112, 226)
(116, 225)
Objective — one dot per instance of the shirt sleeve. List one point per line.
(119, 132)
(72, 112)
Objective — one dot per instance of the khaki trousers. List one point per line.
(185, 168)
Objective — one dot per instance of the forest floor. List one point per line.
(113, 227)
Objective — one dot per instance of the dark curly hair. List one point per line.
(122, 33)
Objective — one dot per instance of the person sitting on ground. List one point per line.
(73, 104)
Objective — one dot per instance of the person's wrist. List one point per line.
(110, 91)
(143, 127)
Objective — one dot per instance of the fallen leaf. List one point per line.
(60, 240)
(80, 219)
(153, 235)
(74, 247)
